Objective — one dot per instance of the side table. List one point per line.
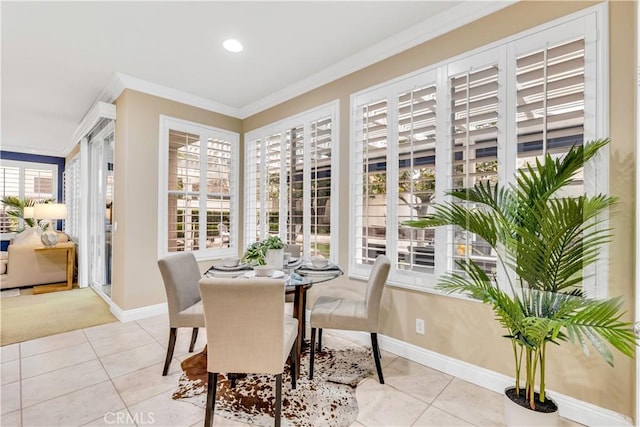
(70, 249)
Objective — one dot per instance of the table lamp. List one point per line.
(51, 212)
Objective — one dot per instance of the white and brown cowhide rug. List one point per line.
(328, 400)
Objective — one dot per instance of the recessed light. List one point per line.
(232, 45)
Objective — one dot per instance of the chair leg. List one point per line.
(312, 351)
(212, 383)
(194, 337)
(170, 347)
(320, 339)
(278, 403)
(293, 355)
(376, 355)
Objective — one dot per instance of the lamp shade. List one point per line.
(50, 211)
(28, 212)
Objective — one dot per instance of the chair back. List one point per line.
(245, 324)
(294, 250)
(180, 274)
(375, 286)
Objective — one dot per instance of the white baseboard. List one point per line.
(576, 410)
(137, 313)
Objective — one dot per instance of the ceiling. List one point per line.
(58, 57)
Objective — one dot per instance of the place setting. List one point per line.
(317, 265)
(229, 267)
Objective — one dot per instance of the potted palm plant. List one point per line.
(543, 241)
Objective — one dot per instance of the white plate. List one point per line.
(223, 268)
(220, 273)
(304, 272)
(276, 275)
(325, 268)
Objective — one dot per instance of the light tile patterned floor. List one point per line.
(110, 374)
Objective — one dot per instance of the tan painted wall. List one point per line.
(136, 278)
(463, 329)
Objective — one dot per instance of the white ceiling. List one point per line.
(57, 57)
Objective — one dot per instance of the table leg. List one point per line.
(299, 313)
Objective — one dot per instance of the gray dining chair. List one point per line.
(349, 313)
(180, 274)
(247, 332)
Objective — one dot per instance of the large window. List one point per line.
(289, 182)
(199, 190)
(25, 180)
(475, 118)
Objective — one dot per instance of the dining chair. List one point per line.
(356, 314)
(180, 274)
(247, 332)
(294, 250)
(225, 236)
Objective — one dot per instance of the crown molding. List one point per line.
(435, 26)
(431, 28)
(134, 83)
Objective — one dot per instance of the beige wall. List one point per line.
(466, 330)
(461, 329)
(136, 279)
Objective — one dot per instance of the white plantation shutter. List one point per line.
(474, 148)
(199, 195)
(10, 186)
(72, 197)
(26, 180)
(550, 102)
(320, 159)
(484, 114)
(289, 181)
(370, 164)
(417, 175)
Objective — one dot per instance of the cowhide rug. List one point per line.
(328, 400)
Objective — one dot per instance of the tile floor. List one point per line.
(108, 374)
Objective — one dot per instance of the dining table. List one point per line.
(299, 275)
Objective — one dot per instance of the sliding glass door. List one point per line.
(100, 208)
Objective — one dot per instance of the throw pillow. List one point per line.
(3, 266)
(30, 236)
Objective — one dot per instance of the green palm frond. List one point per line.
(547, 238)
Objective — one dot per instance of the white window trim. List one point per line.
(592, 23)
(22, 165)
(166, 123)
(329, 109)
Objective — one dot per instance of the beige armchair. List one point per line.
(180, 274)
(352, 314)
(28, 267)
(248, 332)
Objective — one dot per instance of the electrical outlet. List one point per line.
(420, 326)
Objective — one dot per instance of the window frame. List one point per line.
(22, 166)
(167, 123)
(591, 24)
(306, 118)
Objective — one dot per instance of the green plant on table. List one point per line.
(546, 239)
(14, 208)
(256, 252)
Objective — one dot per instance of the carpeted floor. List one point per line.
(31, 316)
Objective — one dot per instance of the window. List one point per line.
(26, 180)
(199, 194)
(71, 180)
(290, 177)
(474, 118)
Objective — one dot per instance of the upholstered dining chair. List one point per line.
(180, 274)
(352, 314)
(247, 332)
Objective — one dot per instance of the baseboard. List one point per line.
(576, 410)
(137, 313)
